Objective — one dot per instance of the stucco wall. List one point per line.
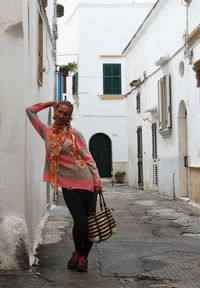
(22, 192)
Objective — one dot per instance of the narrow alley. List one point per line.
(156, 245)
(97, 90)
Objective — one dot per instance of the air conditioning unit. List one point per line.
(162, 60)
(135, 82)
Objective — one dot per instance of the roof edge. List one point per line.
(140, 27)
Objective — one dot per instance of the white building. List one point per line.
(27, 76)
(95, 34)
(164, 101)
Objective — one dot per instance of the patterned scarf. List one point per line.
(57, 138)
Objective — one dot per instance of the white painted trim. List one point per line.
(194, 166)
(111, 56)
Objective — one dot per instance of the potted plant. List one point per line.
(120, 175)
(65, 68)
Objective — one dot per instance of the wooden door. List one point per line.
(139, 157)
(154, 154)
(100, 148)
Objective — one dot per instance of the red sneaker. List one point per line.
(82, 264)
(72, 264)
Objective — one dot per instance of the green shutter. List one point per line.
(116, 78)
(107, 79)
(111, 78)
(75, 84)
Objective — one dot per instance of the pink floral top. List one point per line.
(69, 175)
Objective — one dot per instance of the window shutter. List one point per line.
(138, 102)
(160, 104)
(116, 73)
(168, 101)
(75, 84)
(107, 80)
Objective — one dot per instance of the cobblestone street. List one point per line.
(156, 245)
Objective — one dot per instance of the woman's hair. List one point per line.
(66, 103)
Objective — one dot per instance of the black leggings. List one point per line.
(79, 203)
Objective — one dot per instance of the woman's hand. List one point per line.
(50, 103)
(98, 190)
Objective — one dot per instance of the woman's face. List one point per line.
(62, 114)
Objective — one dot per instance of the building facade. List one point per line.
(27, 76)
(162, 67)
(94, 36)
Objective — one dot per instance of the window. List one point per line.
(40, 52)
(138, 102)
(164, 104)
(111, 78)
(75, 84)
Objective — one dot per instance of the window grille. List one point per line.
(154, 154)
(140, 157)
(138, 107)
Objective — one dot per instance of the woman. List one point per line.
(69, 165)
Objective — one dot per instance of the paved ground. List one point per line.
(157, 245)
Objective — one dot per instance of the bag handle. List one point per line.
(102, 203)
(93, 205)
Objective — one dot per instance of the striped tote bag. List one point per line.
(101, 225)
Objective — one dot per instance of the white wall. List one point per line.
(22, 192)
(104, 28)
(69, 38)
(159, 37)
(193, 94)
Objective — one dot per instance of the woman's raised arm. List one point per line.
(33, 117)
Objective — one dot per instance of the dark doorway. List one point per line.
(100, 148)
(154, 154)
(139, 157)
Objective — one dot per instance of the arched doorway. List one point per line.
(183, 150)
(100, 148)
